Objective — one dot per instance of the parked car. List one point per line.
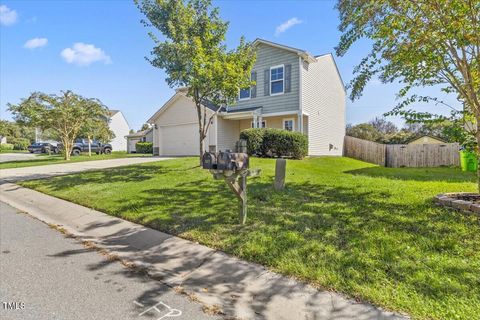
(42, 147)
(81, 145)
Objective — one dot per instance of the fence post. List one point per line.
(280, 169)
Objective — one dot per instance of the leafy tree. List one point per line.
(144, 127)
(96, 128)
(194, 54)
(5, 129)
(64, 114)
(384, 126)
(365, 131)
(418, 44)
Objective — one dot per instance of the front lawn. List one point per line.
(44, 159)
(342, 224)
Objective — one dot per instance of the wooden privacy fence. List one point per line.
(403, 155)
(365, 150)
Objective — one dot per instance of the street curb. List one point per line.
(235, 287)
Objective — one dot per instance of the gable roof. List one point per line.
(304, 54)
(424, 136)
(181, 92)
(139, 133)
(113, 112)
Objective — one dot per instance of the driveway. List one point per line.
(6, 157)
(48, 276)
(39, 172)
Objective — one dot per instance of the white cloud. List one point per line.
(35, 43)
(83, 54)
(7, 15)
(286, 25)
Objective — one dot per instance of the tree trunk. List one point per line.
(67, 148)
(89, 146)
(201, 145)
(477, 151)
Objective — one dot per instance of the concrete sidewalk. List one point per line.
(50, 170)
(243, 290)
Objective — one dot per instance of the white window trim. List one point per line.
(287, 119)
(283, 80)
(263, 120)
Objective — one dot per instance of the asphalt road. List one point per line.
(45, 275)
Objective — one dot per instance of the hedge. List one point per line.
(144, 147)
(269, 142)
(20, 143)
(6, 146)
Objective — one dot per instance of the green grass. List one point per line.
(341, 224)
(13, 151)
(45, 159)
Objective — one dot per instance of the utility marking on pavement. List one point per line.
(171, 311)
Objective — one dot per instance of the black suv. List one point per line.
(42, 147)
(81, 145)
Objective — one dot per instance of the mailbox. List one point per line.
(225, 161)
(209, 160)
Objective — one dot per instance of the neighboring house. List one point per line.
(140, 136)
(426, 140)
(294, 91)
(3, 140)
(119, 125)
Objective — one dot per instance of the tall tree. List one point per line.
(194, 54)
(64, 114)
(417, 43)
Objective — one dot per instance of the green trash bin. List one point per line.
(468, 161)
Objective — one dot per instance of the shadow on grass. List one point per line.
(417, 174)
(353, 241)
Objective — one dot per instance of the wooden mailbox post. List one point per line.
(233, 168)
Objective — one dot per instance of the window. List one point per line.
(289, 124)
(276, 80)
(244, 94)
(264, 124)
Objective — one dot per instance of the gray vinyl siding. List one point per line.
(267, 57)
(323, 98)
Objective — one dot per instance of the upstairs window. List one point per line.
(276, 80)
(244, 94)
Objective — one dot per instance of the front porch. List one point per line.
(253, 118)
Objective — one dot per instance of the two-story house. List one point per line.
(294, 91)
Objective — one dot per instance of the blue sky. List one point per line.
(98, 49)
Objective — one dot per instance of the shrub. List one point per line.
(6, 146)
(144, 147)
(254, 138)
(275, 143)
(20, 143)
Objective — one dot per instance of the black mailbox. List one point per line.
(209, 160)
(224, 161)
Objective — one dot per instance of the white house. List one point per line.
(119, 125)
(140, 136)
(294, 91)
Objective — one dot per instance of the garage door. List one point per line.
(179, 140)
(131, 144)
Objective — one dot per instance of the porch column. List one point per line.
(255, 121)
(260, 121)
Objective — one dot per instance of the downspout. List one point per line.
(300, 87)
